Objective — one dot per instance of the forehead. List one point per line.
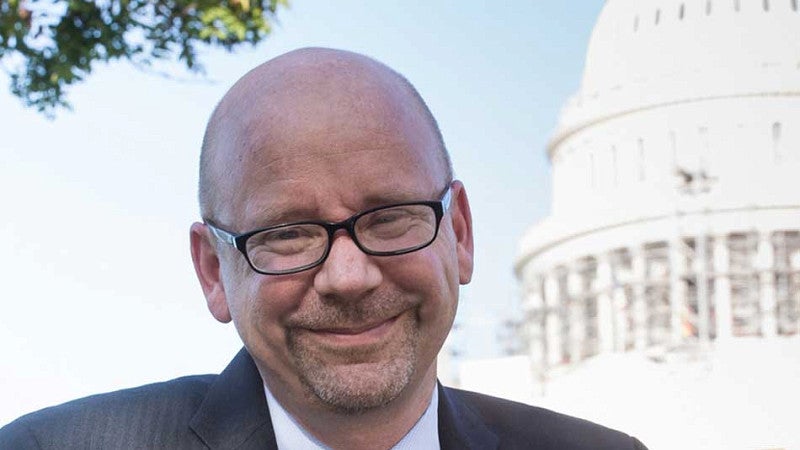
(336, 177)
(357, 141)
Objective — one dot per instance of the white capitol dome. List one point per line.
(676, 185)
(646, 54)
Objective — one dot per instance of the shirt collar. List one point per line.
(289, 434)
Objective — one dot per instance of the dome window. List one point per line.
(640, 143)
(658, 16)
(614, 166)
(736, 5)
(794, 5)
(681, 11)
(673, 144)
(708, 7)
(776, 141)
(766, 5)
(776, 132)
(636, 23)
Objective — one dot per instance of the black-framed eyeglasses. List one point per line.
(383, 231)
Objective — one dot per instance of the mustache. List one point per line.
(333, 313)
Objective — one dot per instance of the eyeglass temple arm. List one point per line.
(446, 199)
(222, 235)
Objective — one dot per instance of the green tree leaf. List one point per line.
(48, 45)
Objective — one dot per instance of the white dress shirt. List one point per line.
(290, 435)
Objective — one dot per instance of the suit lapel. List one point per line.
(234, 413)
(460, 427)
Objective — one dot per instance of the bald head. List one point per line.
(304, 92)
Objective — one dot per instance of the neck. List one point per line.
(377, 428)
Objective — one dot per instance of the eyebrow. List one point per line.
(396, 196)
(273, 215)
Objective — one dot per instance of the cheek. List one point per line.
(437, 285)
(444, 278)
(260, 304)
(432, 276)
(276, 298)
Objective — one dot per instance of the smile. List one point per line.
(356, 335)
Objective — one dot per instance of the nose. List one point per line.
(348, 273)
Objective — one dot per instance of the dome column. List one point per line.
(722, 288)
(701, 286)
(605, 310)
(535, 312)
(765, 263)
(621, 308)
(639, 304)
(552, 320)
(677, 289)
(576, 314)
(620, 303)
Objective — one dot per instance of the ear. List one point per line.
(206, 266)
(462, 227)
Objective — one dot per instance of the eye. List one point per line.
(387, 223)
(382, 217)
(290, 233)
(287, 240)
(386, 217)
(284, 234)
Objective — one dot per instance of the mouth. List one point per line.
(356, 335)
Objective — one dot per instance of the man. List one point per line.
(335, 239)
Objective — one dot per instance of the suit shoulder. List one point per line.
(179, 392)
(524, 426)
(150, 411)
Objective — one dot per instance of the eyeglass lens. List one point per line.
(385, 231)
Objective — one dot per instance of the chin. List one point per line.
(358, 388)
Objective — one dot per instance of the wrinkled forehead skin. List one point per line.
(312, 95)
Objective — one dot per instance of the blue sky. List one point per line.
(98, 289)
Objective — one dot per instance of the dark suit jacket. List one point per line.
(229, 411)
